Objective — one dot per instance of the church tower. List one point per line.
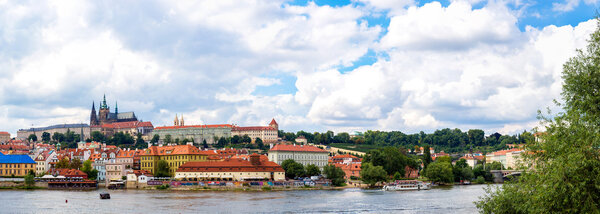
(274, 124)
(103, 112)
(181, 122)
(93, 117)
(176, 121)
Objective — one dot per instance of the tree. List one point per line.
(292, 168)
(91, 172)
(63, 164)
(562, 169)
(75, 163)
(335, 174)
(32, 138)
(155, 139)
(246, 139)
(439, 172)
(204, 144)
(139, 139)
(312, 170)
(495, 166)
(397, 176)
(259, 143)
(46, 137)
(162, 169)
(97, 136)
(371, 175)
(426, 157)
(168, 138)
(29, 180)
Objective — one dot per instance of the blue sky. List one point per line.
(312, 65)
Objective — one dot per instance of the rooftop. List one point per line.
(174, 150)
(194, 126)
(64, 126)
(296, 148)
(230, 165)
(16, 159)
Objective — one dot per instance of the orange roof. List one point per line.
(141, 172)
(195, 126)
(127, 125)
(4, 133)
(69, 172)
(230, 165)
(503, 152)
(343, 156)
(174, 150)
(126, 154)
(296, 148)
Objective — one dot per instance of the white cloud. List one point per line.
(569, 5)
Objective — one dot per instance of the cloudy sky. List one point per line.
(336, 65)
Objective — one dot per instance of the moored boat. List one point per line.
(407, 185)
(104, 195)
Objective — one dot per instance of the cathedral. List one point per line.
(104, 115)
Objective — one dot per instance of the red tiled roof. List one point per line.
(273, 122)
(230, 165)
(141, 172)
(127, 125)
(252, 128)
(503, 152)
(344, 156)
(69, 173)
(195, 126)
(296, 148)
(4, 133)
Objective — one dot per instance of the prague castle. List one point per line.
(104, 115)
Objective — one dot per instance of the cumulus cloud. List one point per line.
(569, 5)
(437, 66)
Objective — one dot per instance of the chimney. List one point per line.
(255, 159)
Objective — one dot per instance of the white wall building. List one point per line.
(303, 154)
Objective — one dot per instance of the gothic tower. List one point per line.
(176, 121)
(93, 117)
(181, 122)
(103, 112)
(274, 124)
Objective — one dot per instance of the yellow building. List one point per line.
(17, 165)
(175, 156)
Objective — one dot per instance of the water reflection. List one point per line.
(457, 199)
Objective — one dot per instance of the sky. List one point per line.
(340, 65)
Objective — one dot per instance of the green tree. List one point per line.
(97, 136)
(246, 139)
(204, 144)
(29, 180)
(495, 166)
(371, 175)
(168, 138)
(312, 170)
(426, 157)
(562, 169)
(87, 169)
(155, 139)
(292, 168)
(335, 174)
(46, 137)
(259, 143)
(439, 172)
(32, 138)
(162, 169)
(139, 139)
(397, 176)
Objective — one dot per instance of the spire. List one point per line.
(176, 121)
(182, 123)
(93, 117)
(116, 108)
(104, 102)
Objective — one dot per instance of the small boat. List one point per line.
(407, 185)
(465, 182)
(104, 195)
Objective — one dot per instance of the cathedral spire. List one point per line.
(93, 117)
(181, 122)
(104, 102)
(176, 121)
(116, 108)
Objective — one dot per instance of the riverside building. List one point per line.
(17, 165)
(175, 156)
(234, 169)
(303, 154)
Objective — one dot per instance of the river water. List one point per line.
(456, 199)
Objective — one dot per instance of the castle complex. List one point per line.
(104, 115)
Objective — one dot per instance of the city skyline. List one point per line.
(313, 66)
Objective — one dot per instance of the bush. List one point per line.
(164, 186)
(479, 180)
(266, 188)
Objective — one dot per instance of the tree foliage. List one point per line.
(391, 159)
(292, 168)
(312, 170)
(46, 137)
(32, 138)
(371, 174)
(440, 172)
(335, 174)
(562, 168)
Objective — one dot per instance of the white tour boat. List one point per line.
(407, 185)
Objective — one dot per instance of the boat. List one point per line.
(465, 182)
(407, 185)
(104, 195)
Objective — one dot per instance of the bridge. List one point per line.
(502, 175)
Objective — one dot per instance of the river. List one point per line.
(456, 199)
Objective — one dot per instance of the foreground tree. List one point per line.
(87, 168)
(292, 168)
(439, 172)
(312, 170)
(563, 166)
(46, 137)
(335, 174)
(372, 175)
(32, 138)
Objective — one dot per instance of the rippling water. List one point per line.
(457, 199)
